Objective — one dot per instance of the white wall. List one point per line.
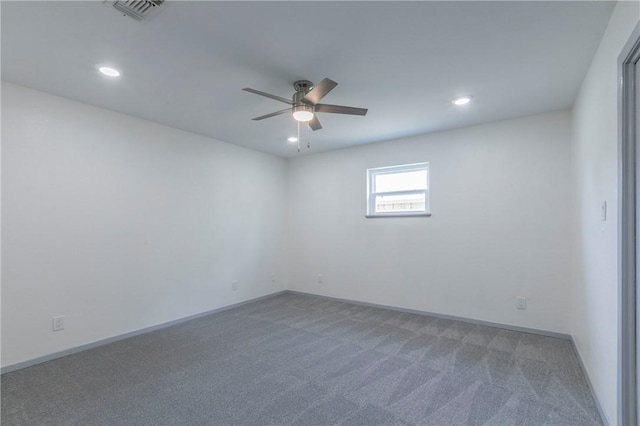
(500, 225)
(119, 224)
(594, 154)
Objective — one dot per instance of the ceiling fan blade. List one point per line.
(339, 109)
(315, 123)
(319, 91)
(268, 95)
(273, 114)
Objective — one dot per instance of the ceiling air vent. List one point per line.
(138, 9)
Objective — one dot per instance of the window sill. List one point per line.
(375, 216)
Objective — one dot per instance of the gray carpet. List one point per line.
(304, 360)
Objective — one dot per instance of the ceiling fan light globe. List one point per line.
(303, 113)
(303, 116)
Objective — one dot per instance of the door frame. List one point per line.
(627, 230)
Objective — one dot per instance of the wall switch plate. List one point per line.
(58, 323)
(522, 302)
(234, 285)
(273, 278)
(320, 278)
(604, 211)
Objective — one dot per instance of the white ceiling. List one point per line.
(404, 61)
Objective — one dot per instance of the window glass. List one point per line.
(407, 181)
(401, 190)
(400, 203)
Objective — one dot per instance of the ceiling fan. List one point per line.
(304, 104)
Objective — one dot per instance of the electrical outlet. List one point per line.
(273, 278)
(320, 278)
(58, 323)
(522, 302)
(234, 285)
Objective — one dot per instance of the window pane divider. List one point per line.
(408, 192)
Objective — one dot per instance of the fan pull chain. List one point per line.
(298, 136)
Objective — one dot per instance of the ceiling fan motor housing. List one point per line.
(297, 98)
(301, 111)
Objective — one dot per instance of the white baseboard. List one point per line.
(603, 416)
(443, 316)
(70, 351)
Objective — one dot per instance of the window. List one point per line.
(398, 191)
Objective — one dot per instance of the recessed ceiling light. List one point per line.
(292, 139)
(463, 100)
(111, 72)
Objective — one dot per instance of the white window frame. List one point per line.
(403, 168)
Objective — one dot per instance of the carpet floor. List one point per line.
(304, 360)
